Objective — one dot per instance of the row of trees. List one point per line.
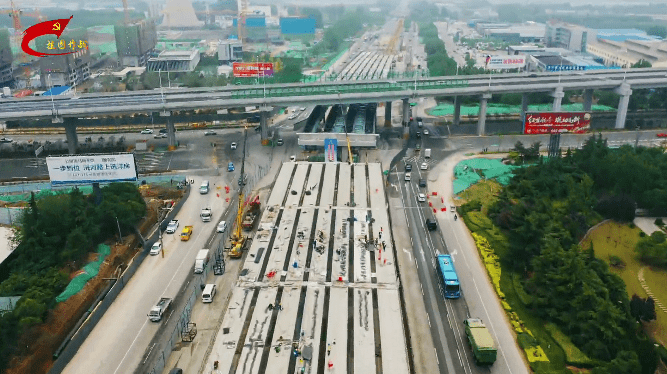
(546, 210)
(438, 62)
(55, 234)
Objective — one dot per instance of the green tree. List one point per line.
(657, 30)
(626, 362)
(291, 72)
(313, 13)
(641, 64)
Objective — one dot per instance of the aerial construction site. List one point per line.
(319, 286)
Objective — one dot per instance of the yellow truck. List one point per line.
(185, 235)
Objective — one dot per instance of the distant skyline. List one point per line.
(584, 2)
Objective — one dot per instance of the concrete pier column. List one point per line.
(524, 109)
(263, 124)
(481, 122)
(558, 98)
(71, 136)
(457, 111)
(387, 114)
(406, 112)
(406, 118)
(171, 134)
(625, 92)
(588, 100)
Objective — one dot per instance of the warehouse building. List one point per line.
(175, 61)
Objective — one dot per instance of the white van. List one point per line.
(203, 189)
(209, 293)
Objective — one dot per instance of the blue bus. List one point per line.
(450, 280)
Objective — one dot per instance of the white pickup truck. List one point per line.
(172, 226)
(159, 309)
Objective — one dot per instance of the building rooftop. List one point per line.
(56, 91)
(620, 35)
(176, 55)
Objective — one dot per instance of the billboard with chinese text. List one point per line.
(83, 169)
(505, 62)
(557, 122)
(253, 69)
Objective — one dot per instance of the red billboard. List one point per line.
(253, 69)
(557, 122)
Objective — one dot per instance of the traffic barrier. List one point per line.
(435, 210)
(435, 194)
(443, 209)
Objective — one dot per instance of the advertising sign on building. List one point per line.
(557, 122)
(505, 62)
(82, 169)
(331, 150)
(253, 69)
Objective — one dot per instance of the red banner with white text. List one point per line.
(557, 122)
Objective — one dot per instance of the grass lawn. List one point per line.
(485, 191)
(612, 238)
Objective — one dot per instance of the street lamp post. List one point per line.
(119, 233)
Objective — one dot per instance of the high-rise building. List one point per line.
(135, 43)
(564, 35)
(6, 59)
(64, 70)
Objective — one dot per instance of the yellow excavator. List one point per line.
(237, 239)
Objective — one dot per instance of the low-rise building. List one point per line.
(175, 61)
(630, 51)
(230, 50)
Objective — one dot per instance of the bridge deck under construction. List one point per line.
(319, 285)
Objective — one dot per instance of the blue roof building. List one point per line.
(57, 91)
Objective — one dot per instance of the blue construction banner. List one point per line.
(331, 150)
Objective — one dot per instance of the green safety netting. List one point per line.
(467, 172)
(85, 274)
(446, 109)
(86, 190)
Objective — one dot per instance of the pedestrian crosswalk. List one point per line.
(149, 161)
(418, 160)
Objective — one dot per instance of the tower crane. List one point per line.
(238, 240)
(243, 13)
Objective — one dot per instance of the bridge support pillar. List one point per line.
(457, 111)
(588, 100)
(625, 92)
(481, 122)
(524, 109)
(558, 98)
(263, 124)
(406, 112)
(71, 136)
(387, 114)
(171, 134)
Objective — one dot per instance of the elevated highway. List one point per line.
(165, 101)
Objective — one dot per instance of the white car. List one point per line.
(233, 145)
(293, 116)
(172, 226)
(425, 131)
(421, 198)
(408, 176)
(6, 140)
(209, 132)
(156, 248)
(292, 158)
(160, 136)
(147, 131)
(222, 226)
(302, 109)
(423, 166)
